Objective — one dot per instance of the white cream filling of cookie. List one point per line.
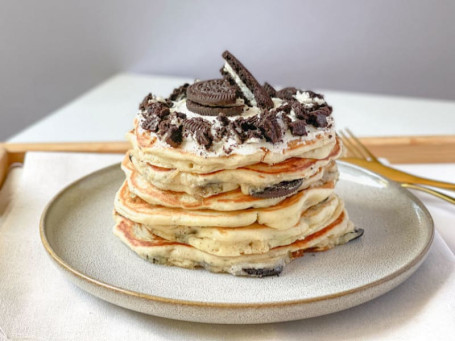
(245, 90)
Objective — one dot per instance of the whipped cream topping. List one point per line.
(230, 144)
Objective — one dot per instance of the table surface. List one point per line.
(106, 112)
(418, 309)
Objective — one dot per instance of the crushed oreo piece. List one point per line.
(179, 93)
(298, 128)
(299, 110)
(281, 189)
(270, 90)
(159, 109)
(270, 127)
(151, 123)
(200, 128)
(180, 115)
(286, 107)
(325, 110)
(287, 93)
(317, 119)
(313, 94)
(153, 115)
(223, 119)
(145, 102)
(174, 136)
(264, 272)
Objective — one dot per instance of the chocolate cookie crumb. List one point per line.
(287, 93)
(324, 110)
(200, 128)
(270, 90)
(174, 136)
(179, 93)
(317, 119)
(270, 128)
(145, 102)
(313, 94)
(298, 128)
(299, 110)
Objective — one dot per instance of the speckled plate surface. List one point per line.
(76, 230)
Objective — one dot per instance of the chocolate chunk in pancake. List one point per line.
(263, 100)
(253, 272)
(281, 189)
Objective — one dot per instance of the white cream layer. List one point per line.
(229, 145)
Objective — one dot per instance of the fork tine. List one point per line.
(361, 145)
(351, 147)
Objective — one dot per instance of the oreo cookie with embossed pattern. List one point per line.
(214, 92)
(212, 97)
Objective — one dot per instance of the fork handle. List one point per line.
(400, 176)
(430, 191)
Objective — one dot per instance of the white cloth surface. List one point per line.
(38, 303)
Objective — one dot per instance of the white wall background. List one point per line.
(51, 51)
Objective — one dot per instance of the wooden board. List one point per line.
(413, 149)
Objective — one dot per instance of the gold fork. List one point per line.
(364, 158)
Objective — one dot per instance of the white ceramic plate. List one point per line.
(76, 230)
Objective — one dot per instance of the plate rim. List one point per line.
(220, 305)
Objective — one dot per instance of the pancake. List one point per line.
(316, 146)
(136, 209)
(255, 238)
(226, 201)
(161, 251)
(250, 178)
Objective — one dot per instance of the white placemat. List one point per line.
(37, 303)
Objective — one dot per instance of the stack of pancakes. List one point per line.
(232, 176)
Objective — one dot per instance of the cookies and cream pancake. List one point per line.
(254, 238)
(226, 201)
(250, 178)
(232, 176)
(158, 250)
(291, 208)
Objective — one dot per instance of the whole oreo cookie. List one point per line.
(279, 190)
(214, 92)
(263, 100)
(213, 110)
